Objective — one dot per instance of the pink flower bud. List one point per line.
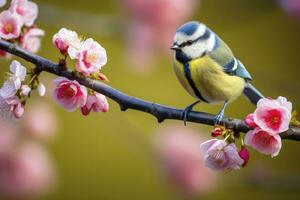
(65, 39)
(249, 120)
(217, 132)
(244, 154)
(18, 110)
(96, 102)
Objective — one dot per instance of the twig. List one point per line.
(125, 101)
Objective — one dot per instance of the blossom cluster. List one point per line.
(270, 118)
(17, 25)
(16, 89)
(90, 57)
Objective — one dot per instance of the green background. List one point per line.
(108, 156)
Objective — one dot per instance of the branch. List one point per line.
(125, 101)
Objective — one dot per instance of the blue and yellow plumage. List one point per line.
(207, 68)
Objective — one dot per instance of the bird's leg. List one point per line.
(187, 110)
(218, 118)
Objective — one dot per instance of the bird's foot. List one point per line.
(218, 118)
(187, 110)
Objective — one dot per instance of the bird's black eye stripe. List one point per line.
(187, 43)
(190, 42)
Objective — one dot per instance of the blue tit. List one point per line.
(207, 69)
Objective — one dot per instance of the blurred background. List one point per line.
(128, 155)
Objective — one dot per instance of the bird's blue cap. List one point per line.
(188, 28)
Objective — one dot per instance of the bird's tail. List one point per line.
(252, 93)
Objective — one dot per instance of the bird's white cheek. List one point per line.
(195, 50)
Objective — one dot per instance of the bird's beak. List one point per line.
(175, 47)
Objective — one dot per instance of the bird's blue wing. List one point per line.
(225, 58)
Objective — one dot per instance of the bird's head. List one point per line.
(193, 40)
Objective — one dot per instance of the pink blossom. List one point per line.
(11, 108)
(2, 3)
(273, 116)
(13, 84)
(10, 25)
(69, 94)
(25, 172)
(220, 156)
(65, 39)
(181, 161)
(91, 56)
(40, 122)
(27, 10)
(263, 142)
(95, 102)
(31, 40)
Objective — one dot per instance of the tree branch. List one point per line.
(125, 101)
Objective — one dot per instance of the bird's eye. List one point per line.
(189, 42)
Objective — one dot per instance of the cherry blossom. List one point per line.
(91, 56)
(219, 155)
(263, 142)
(65, 39)
(27, 10)
(31, 40)
(69, 94)
(95, 102)
(273, 116)
(13, 83)
(10, 25)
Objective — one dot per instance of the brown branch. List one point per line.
(125, 101)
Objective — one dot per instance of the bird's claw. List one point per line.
(186, 111)
(185, 115)
(218, 118)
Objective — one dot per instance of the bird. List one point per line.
(208, 70)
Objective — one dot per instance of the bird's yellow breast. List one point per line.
(210, 80)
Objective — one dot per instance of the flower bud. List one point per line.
(249, 120)
(244, 154)
(217, 131)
